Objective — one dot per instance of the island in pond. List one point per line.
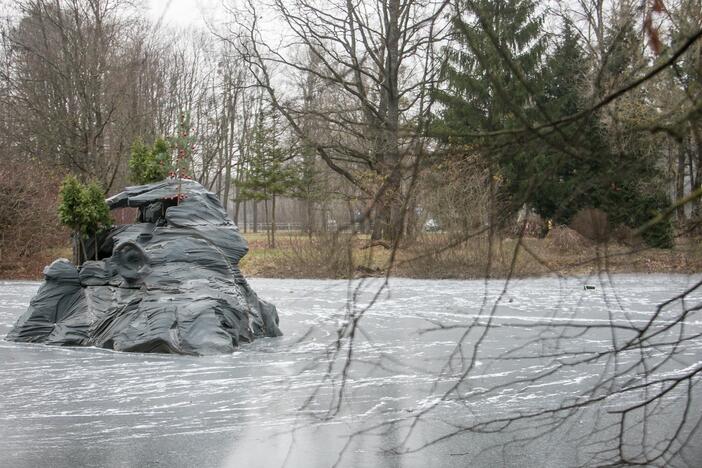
(170, 283)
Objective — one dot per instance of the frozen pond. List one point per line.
(410, 397)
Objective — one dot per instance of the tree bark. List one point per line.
(255, 216)
(75, 243)
(245, 221)
(310, 217)
(387, 219)
(697, 181)
(680, 184)
(388, 222)
(273, 222)
(268, 224)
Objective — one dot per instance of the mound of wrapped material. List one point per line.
(169, 283)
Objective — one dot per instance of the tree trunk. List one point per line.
(218, 176)
(226, 156)
(680, 184)
(255, 216)
(83, 252)
(388, 214)
(387, 220)
(273, 222)
(696, 206)
(237, 205)
(352, 217)
(310, 217)
(268, 224)
(245, 221)
(411, 221)
(75, 243)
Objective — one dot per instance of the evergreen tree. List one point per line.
(83, 209)
(493, 40)
(495, 81)
(268, 175)
(637, 193)
(148, 165)
(566, 178)
(595, 172)
(491, 72)
(183, 142)
(69, 202)
(94, 212)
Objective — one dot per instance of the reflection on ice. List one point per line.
(92, 407)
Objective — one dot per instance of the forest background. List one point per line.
(351, 138)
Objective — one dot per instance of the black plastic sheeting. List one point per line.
(171, 284)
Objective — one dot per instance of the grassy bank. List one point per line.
(433, 255)
(441, 256)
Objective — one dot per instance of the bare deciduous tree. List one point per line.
(375, 59)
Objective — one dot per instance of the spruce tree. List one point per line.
(94, 213)
(148, 165)
(638, 192)
(491, 72)
(495, 80)
(595, 172)
(269, 175)
(492, 40)
(567, 178)
(83, 209)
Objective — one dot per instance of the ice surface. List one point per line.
(269, 403)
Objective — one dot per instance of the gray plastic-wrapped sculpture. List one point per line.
(168, 284)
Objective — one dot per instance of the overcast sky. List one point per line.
(183, 12)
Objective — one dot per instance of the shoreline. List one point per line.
(393, 277)
(429, 258)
